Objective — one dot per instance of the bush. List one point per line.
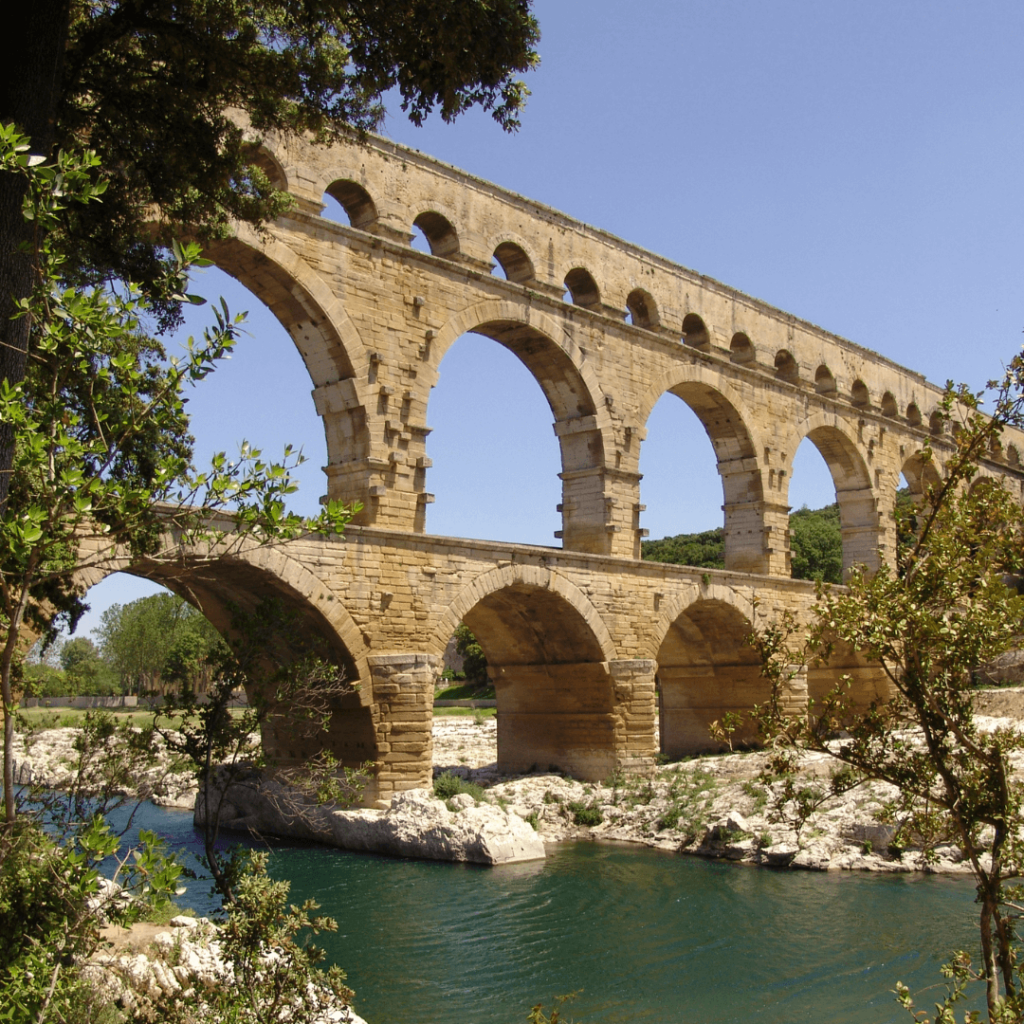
(447, 785)
(670, 819)
(585, 814)
(474, 663)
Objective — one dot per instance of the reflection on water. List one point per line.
(648, 936)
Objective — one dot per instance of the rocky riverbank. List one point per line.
(713, 806)
(49, 758)
(144, 966)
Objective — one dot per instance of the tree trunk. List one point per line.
(988, 953)
(30, 88)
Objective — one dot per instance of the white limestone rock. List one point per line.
(735, 822)
(417, 824)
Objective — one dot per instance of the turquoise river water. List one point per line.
(648, 937)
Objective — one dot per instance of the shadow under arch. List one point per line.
(236, 583)
(706, 668)
(547, 652)
(859, 521)
(735, 454)
(581, 418)
(859, 680)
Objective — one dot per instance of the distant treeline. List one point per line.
(156, 645)
(815, 542)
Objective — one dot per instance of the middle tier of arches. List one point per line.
(373, 325)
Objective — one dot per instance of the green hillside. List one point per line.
(815, 542)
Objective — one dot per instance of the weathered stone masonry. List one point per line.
(581, 640)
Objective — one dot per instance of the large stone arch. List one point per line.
(718, 407)
(864, 533)
(705, 669)
(298, 296)
(582, 421)
(541, 343)
(557, 706)
(329, 343)
(219, 586)
(516, 574)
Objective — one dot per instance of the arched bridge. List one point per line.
(575, 636)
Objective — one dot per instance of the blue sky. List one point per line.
(857, 165)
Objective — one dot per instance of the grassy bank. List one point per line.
(62, 718)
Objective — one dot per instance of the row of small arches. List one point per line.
(641, 309)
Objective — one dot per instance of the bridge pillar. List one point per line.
(384, 448)
(859, 522)
(757, 537)
(636, 706)
(695, 695)
(599, 511)
(794, 691)
(403, 703)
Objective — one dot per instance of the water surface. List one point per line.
(649, 937)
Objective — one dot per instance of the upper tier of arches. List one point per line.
(387, 190)
(603, 327)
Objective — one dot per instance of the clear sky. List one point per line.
(858, 165)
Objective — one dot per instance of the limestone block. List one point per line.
(416, 824)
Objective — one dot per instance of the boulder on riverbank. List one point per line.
(417, 824)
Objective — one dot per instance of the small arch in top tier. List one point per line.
(786, 367)
(582, 288)
(859, 395)
(514, 263)
(643, 311)
(261, 157)
(741, 348)
(695, 333)
(441, 236)
(359, 207)
(824, 382)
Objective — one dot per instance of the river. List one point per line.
(647, 936)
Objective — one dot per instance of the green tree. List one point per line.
(157, 639)
(42, 680)
(102, 436)
(85, 672)
(151, 86)
(293, 684)
(474, 661)
(816, 544)
(929, 622)
(193, 655)
(705, 550)
(815, 538)
(103, 459)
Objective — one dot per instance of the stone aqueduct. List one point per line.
(581, 639)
